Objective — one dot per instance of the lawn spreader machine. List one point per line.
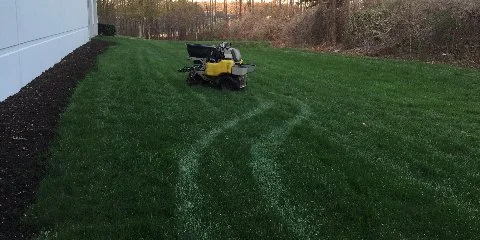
(220, 66)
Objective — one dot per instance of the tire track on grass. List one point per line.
(205, 102)
(189, 198)
(266, 171)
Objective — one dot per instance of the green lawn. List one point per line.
(318, 146)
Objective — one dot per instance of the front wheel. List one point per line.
(242, 82)
(227, 82)
(232, 82)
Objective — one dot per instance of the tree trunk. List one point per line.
(333, 22)
(140, 29)
(225, 9)
(240, 3)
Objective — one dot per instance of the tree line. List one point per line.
(175, 19)
(450, 28)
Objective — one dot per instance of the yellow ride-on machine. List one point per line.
(220, 66)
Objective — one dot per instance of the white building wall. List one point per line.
(36, 34)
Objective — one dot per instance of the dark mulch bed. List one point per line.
(28, 123)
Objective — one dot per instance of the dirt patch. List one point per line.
(394, 54)
(430, 58)
(28, 123)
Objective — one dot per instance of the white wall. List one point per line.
(36, 34)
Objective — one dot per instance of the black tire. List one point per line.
(236, 83)
(193, 78)
(226, 82)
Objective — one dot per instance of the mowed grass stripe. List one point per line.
(269, 177)
(126, 163)
(357, 105)
(388, 150)
(189, 197)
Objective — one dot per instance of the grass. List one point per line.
(319, 146)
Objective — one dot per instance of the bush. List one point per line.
(106, 29)
(369, 27)
(299, 30)
(430, 29)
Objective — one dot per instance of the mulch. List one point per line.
(28, 124)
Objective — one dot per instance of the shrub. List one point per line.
(299, 30)
(106, 29)
(437, 29)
